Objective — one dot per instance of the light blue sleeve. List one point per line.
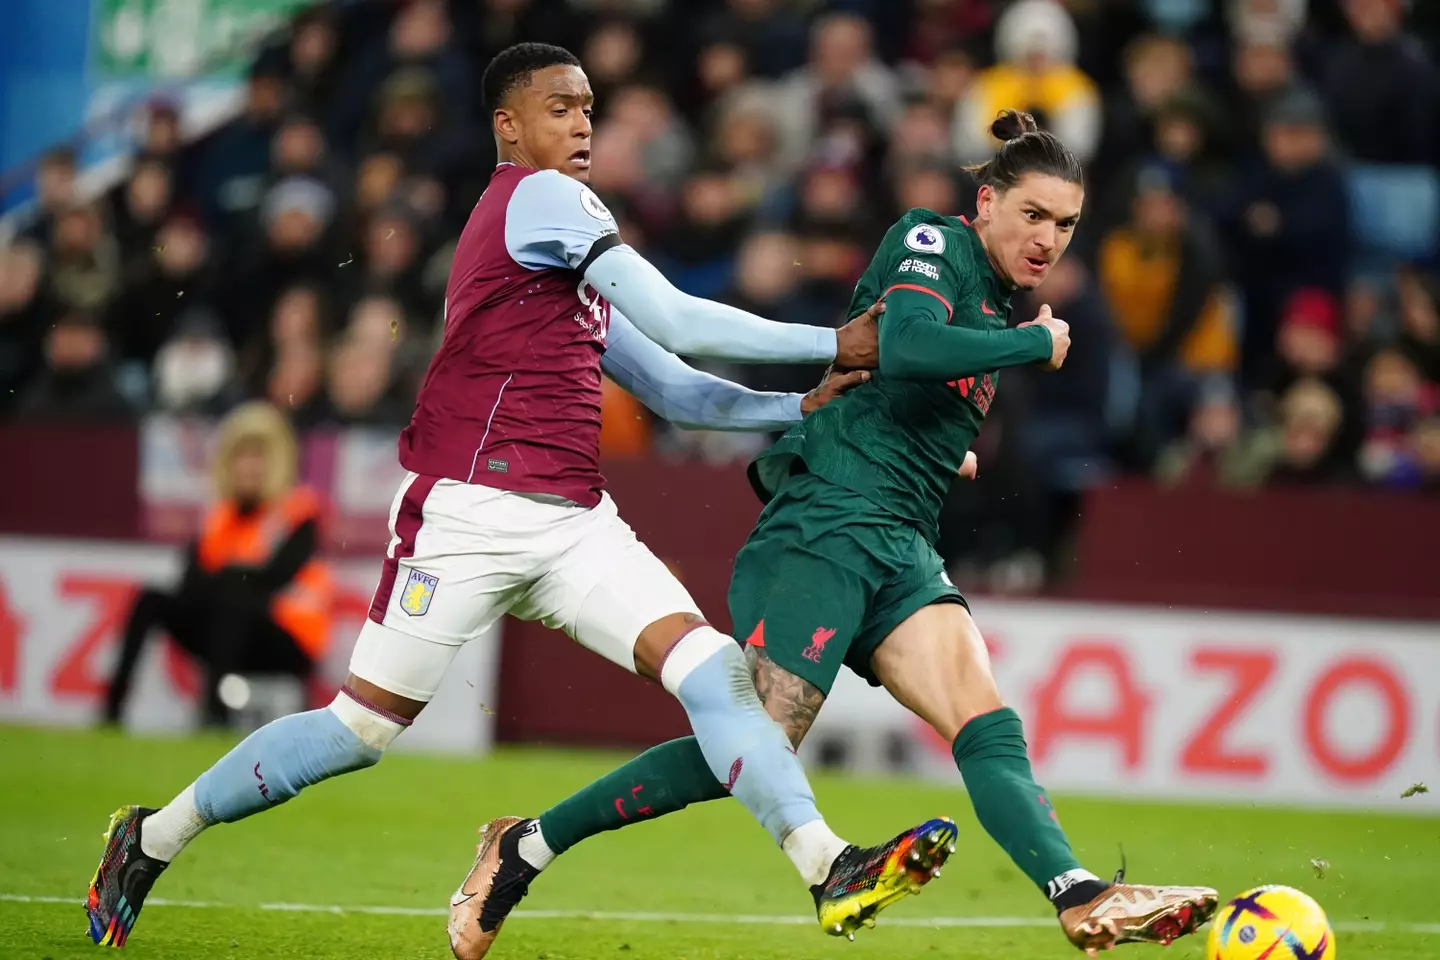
(556, 221)
(687, 397)
(692, 327)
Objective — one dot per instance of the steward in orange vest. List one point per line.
(254, 599)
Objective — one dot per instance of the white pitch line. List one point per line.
(1357, 926)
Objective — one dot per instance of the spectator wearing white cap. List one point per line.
(193, 369)
(1036, 45)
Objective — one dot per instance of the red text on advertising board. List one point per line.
(1359, 671)
(112, 597)
(11, 627)
(1205, 752)
(1122, 722)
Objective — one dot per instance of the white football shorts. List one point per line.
(462, 555)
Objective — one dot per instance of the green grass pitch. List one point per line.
(386, 847)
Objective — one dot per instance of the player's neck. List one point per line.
(516, 157)
(995, 268)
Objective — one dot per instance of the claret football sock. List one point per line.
(1014, 809)
(661, 780)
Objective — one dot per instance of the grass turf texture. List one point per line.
(401, 835)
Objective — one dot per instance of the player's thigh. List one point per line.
(396, 671)
(936, 665)
(797, 602)
(914, 578)
(606, 589)
(459, 555)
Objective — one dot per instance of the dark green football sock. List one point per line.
(661, 780)
(1011, 806)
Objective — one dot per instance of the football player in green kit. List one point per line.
(841, 568)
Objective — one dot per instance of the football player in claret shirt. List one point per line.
(841, 568)
(503, 510)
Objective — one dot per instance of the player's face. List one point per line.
(548, 122)
(1028, 227)
(249, 464)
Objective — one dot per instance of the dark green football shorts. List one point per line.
(826, 575)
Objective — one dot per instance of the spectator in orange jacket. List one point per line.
(253, 598)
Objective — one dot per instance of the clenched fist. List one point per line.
(1059, 336)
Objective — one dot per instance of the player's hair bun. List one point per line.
(1025, 148)
(1012, 124)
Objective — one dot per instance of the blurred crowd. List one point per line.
(1252, 292)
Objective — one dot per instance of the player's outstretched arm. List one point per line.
(687, 397)
(553, 221)
(694, 327)
(916, 342)
(691, 398)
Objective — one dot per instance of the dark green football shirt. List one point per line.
(901, 438)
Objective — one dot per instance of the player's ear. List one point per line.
(506, 127)
(985, 202)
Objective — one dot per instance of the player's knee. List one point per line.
(373, 730)
(706, 668)
(661, 639)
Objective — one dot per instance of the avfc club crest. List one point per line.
(925, 239)
(419, 588)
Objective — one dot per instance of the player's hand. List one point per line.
(857, 344)
(831, 386)
(1059, 336)
(970, 467)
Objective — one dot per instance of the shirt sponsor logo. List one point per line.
(925, 239)
(596, 318)
(921, 267)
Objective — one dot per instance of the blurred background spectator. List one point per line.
(254, 600)
(1036, 46)
(1252, 289)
